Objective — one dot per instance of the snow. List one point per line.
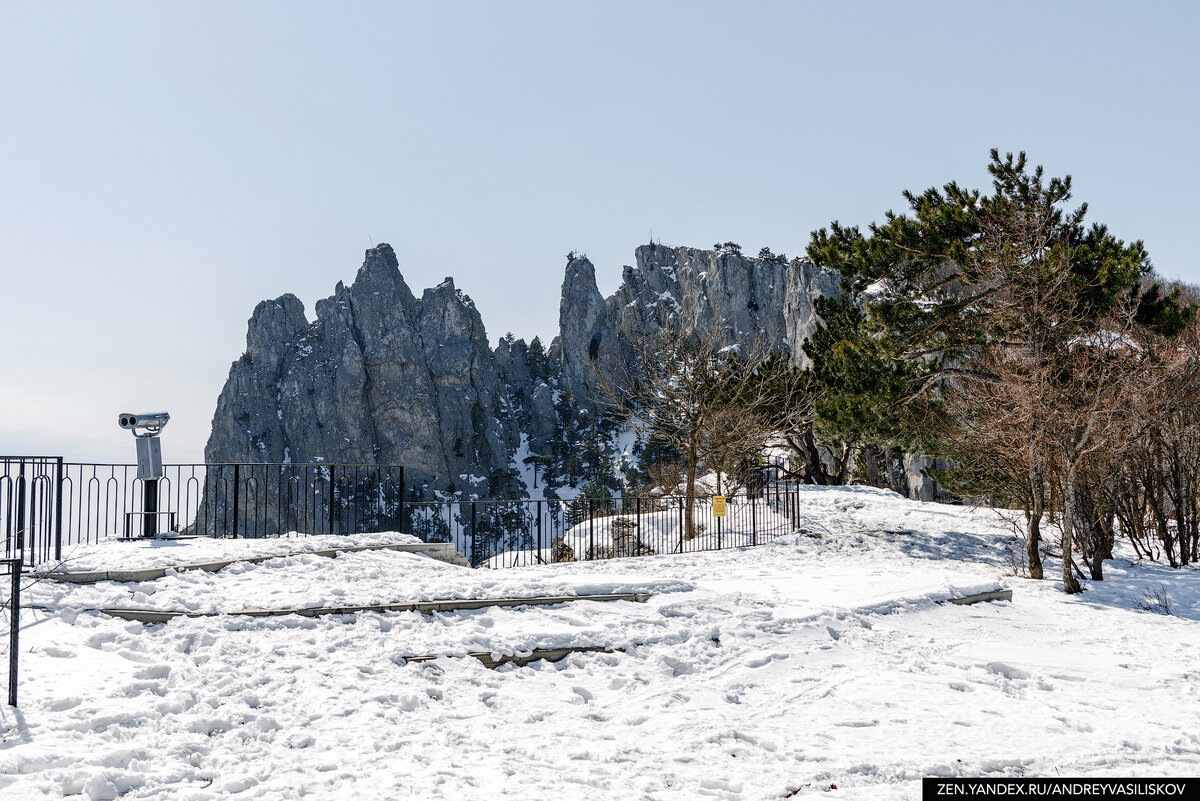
(750, 673)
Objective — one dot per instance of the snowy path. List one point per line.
(750, 673)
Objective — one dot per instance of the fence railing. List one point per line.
(47, 504)
(526, 532)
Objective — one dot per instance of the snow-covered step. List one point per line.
(424, 607)
(441, 551)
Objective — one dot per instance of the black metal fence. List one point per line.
(499, 534)
(265, 500)
(47, 504)
(30, 505)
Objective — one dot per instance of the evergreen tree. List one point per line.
(855, 382)
(923, 269)
(538, 364)
(775, 258)
(1003, 289)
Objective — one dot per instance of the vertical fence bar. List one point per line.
(14, 601)
(20, 486)
(753, 521)
(237, 487)
(727, 506)
(540, 560)
(681, 525)
(402, 521)
(474, 538)
(58, 493)
(332, 495)
(591, 531)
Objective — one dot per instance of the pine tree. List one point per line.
(1001, 288)
(856, 381)
(538, 365)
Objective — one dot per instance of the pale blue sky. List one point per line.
(165, 166)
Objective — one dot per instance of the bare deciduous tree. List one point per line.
(689, 385)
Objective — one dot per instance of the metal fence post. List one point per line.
(681, 525)
(14, 651)
(719, 532)
(474, 538)
(20, 487)
(332, 495)
(539, 533)
(58, 490)
(591, 530)
(237, 497)
(400, 511)
(754, 521)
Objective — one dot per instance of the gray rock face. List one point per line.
(379, 377)
(921, 486)
(382, 377)
(745, 298)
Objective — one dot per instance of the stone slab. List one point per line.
(998, 595)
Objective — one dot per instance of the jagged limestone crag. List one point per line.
(382, 377)
(745, 298)
(379, 377)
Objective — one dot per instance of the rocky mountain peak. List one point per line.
(383, 377)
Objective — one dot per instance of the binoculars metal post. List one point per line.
(146, 428)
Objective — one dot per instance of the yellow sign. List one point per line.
(718, 506)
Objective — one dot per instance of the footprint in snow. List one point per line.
(1007, 671)
(63, 704)
(153, 672)
(760, 661)
(58, 653)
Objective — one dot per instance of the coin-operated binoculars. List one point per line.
(146, 428)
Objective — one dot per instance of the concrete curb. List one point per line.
(441, 551)
(997, 595)
(424, 607)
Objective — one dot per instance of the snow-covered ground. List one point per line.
(824, 658)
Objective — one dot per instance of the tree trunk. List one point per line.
(812, 460)
(1033, 542)
(844, 464)
(1070, 582)
(689, 528)
(872, 460)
